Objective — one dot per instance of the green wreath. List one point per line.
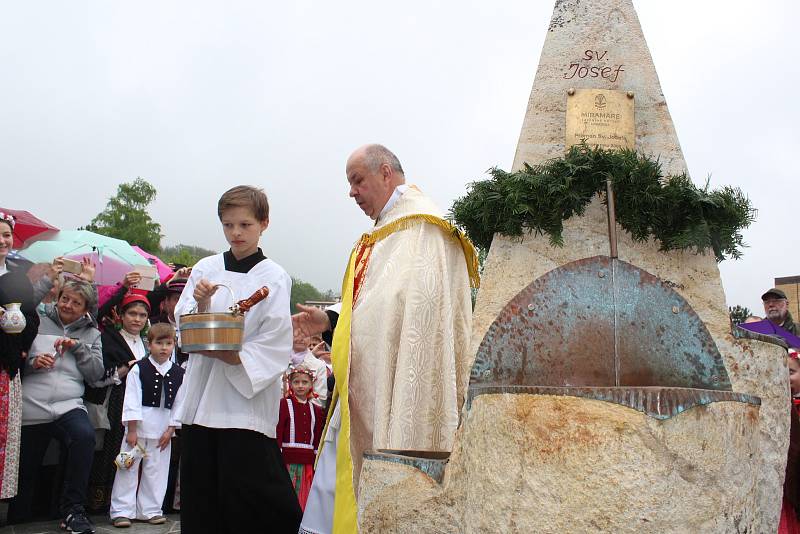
(672, 209)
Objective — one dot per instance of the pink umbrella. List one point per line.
(163, 269)
(104, 293)
(109, 271)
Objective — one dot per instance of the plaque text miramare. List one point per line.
(600, 117)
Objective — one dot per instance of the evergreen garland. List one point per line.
(671, 209)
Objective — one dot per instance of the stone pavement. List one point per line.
(102, 526)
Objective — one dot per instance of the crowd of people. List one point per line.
(64, 378)
(265, 436)
(106, 383)
(110, 384)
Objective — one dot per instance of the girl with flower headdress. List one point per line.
(14, 287)
(299, 428)
(789, 523)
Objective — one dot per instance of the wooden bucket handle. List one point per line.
(194, 308)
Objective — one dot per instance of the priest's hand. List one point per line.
(202, 294)
(311, 321)
(231, 357)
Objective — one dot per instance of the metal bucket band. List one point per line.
(234, 325)
(197, 347)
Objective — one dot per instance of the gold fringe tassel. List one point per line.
(409, 221)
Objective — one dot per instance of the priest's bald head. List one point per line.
(373, 172)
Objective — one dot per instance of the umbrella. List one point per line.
(163, 269)
(27, 226)
(769, 328)
(17, 260)
(113, 257)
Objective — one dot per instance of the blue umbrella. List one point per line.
(113, 257)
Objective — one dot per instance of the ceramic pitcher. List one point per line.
(13, 320)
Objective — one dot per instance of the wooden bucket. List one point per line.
(211, 331)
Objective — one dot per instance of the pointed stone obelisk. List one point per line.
(599, 44)
(542, 459)
(596, 45)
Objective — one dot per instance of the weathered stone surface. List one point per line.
(534, 463)
(754, 367)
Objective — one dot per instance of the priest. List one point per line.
(400, 342)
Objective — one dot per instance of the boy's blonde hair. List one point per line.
(160, 331)
(245, 196)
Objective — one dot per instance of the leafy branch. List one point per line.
(538, 199)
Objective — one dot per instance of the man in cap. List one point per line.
(776, 307)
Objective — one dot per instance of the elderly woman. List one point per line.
(14, 287)
(66, 353)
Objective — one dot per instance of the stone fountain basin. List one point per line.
(558, 461)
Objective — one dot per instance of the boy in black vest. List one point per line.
(151, 399)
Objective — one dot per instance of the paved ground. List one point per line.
(102, 526)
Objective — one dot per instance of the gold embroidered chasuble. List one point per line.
(407, 370)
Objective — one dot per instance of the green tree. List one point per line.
(738, 314)
(184, 254)
(302, 292)
(125, 216)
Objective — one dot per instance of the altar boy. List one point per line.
(233, 478)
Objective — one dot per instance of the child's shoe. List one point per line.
(121, 522)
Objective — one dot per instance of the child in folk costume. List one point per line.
(233, 478)
(299, 428)
(789, 522)
(151, 400)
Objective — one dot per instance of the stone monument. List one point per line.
(608, 393)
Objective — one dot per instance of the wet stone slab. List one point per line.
(102, 526)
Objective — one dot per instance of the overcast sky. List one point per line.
(199, 96)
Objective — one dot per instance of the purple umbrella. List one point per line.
(769, 328)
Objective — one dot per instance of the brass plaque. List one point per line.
(601, 117)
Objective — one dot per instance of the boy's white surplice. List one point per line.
(246, 396)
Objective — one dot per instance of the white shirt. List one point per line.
(151, 422)
(135, 343)
(3, 269)
(396, 194)
(245, 396)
